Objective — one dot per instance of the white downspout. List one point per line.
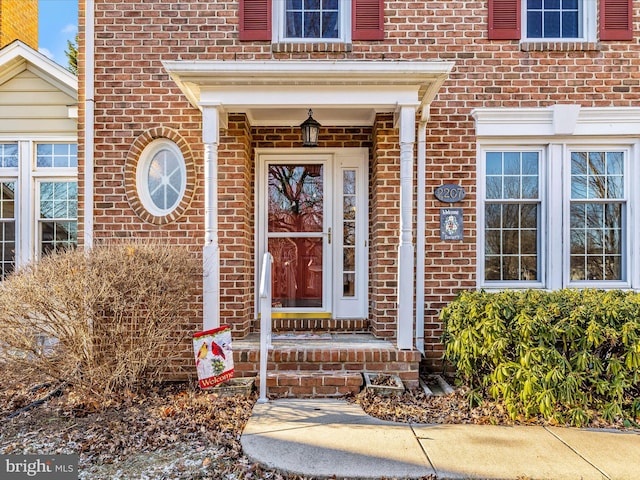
(89, 105)
(420, 227)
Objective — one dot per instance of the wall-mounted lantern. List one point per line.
(310, 130)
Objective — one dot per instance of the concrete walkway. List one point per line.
(324, 437)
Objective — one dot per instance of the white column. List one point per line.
(211, 249)
(556, 263)
(407, 125)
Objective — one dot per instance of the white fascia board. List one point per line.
(300, 95)
(281, 81)
(254, 72)
(539, 122)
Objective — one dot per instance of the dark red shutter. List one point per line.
(367, 20)
(504, 19)
(255, 19)
(616, 20)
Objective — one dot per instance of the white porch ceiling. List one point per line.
(279, 93)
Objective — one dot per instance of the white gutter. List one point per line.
(420, 226)
(89, 104)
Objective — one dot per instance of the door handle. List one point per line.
(329, 235)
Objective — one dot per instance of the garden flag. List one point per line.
(214, 358)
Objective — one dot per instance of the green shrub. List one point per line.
(563, 354)
(104, 320)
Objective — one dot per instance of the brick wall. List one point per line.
(19, 21)
(384, 224)
(236, 223)
(134, 94)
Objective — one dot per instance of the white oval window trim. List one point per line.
(161, 177)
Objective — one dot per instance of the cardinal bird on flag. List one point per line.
(216, 350)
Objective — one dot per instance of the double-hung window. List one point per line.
(57, 196)
(597, 216)
(556, 18)
(313, 19)
(512, 216)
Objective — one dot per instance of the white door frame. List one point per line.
(336, 161)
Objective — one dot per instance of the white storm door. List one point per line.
(313, 219)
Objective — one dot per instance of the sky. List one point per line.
(58, 22)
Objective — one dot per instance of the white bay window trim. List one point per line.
(557, 131)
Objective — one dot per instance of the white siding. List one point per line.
(29, 105)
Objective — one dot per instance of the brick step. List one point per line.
(317, 325)
(311, 365)
(296, 384)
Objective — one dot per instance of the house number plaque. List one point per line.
(449, 193)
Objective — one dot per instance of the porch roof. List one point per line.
(279, 93)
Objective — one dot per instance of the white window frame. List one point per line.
(38, 180)
(588, 24)
(626, 229)
(27, 175)
(481, 169)
(16, 211)
(12, 174)
(36, 176)
(557, 131)
(279, 33)
(142, 170)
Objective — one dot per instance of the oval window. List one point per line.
(161, 177)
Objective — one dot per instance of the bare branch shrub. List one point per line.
(101, 320)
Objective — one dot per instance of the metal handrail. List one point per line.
(264, 307)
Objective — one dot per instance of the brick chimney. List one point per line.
(19, 21)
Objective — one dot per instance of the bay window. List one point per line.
(585, 224)
(556, 203)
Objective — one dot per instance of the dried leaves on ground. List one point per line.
(171, 432)
(416, 407)
(177, 431)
